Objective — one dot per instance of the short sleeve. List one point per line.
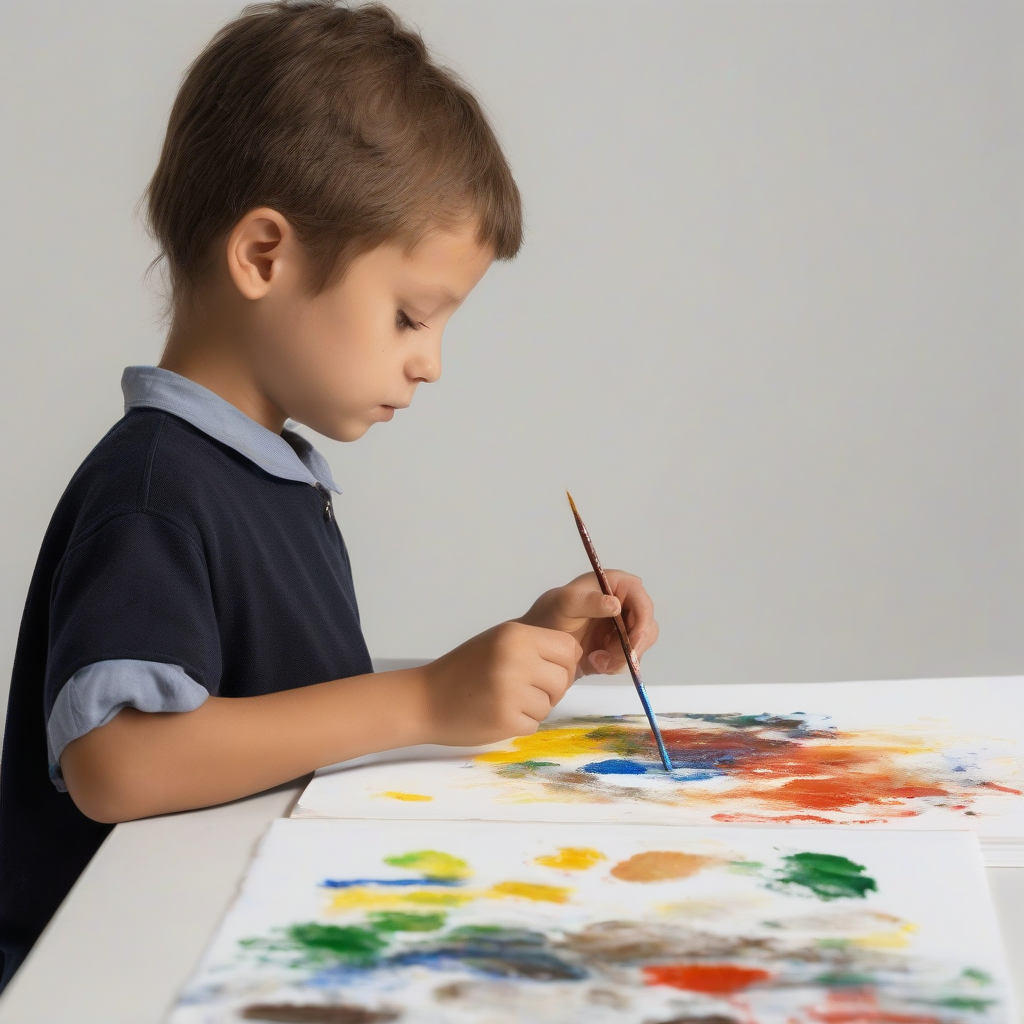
(132, 623)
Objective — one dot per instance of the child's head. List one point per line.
(334, 194)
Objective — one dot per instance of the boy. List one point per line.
(325, 199)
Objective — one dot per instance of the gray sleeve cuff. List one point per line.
(94, 694)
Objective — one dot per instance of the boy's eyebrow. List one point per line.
(445, 295)
(448, 296)
(433, 288)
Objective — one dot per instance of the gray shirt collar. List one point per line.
(287, 455)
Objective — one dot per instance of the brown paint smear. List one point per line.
(318, 1013)
(660, 865)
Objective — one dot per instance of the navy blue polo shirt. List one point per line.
(194, 552)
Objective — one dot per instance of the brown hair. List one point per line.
(337, 118)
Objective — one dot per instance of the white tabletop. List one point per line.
(135, 924)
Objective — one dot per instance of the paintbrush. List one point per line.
(620, 627)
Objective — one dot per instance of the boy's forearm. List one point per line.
(140, 764)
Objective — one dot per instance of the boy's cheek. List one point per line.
(331, 371)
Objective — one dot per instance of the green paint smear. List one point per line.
(744, 867)
(351, 943)
(619, 740)
(828, 876)
(433, 864)
(398, 921)
(323, 943)
(977, 975)
(521, 769)
(845, 979)
(965, 1003)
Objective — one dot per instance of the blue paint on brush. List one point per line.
(695, 774)
(615, 766)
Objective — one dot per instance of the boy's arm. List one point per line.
(499, 684)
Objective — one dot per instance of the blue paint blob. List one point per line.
(615, 766)
(492, 950)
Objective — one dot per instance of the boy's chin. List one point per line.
(345, 428)
(348, 429)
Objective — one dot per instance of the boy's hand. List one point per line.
(501, 683)
(581, 609)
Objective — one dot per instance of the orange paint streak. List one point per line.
(819, 775)
(1002, 789)
(756, 819)
(839, 792)
(659, 865)
(860, 1006)
(760, 819)
(711, 979)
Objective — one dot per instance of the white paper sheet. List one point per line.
(356, 922)
(918, 754)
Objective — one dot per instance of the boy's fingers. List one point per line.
(552, 681)
(558, 648)
(575, 602)
(609, 658)
(527, 726)
(637, 603)
(638, 610)
(644, 639)
(538, 703)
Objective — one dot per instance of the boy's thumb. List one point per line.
(604, 605)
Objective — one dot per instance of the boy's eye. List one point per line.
(404, 322)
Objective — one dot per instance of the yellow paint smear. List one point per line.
(432, 863)
(550, 743)
(898, 939)
(530, 891)
(393, 794)
(367, 898)
(707, 909)
(660, 865)
(572, 858)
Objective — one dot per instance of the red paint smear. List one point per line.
(711, 979)
(755, 818)
(860, 1006)
(837, 793)
(1002, 789)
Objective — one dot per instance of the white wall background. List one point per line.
(767, 324)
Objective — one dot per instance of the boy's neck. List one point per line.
(204, 354)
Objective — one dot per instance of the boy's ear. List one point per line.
(255, 248)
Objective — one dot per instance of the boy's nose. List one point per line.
(426, 368)
(431, 372)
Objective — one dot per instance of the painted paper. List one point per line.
(942, 754)
(488, 923)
